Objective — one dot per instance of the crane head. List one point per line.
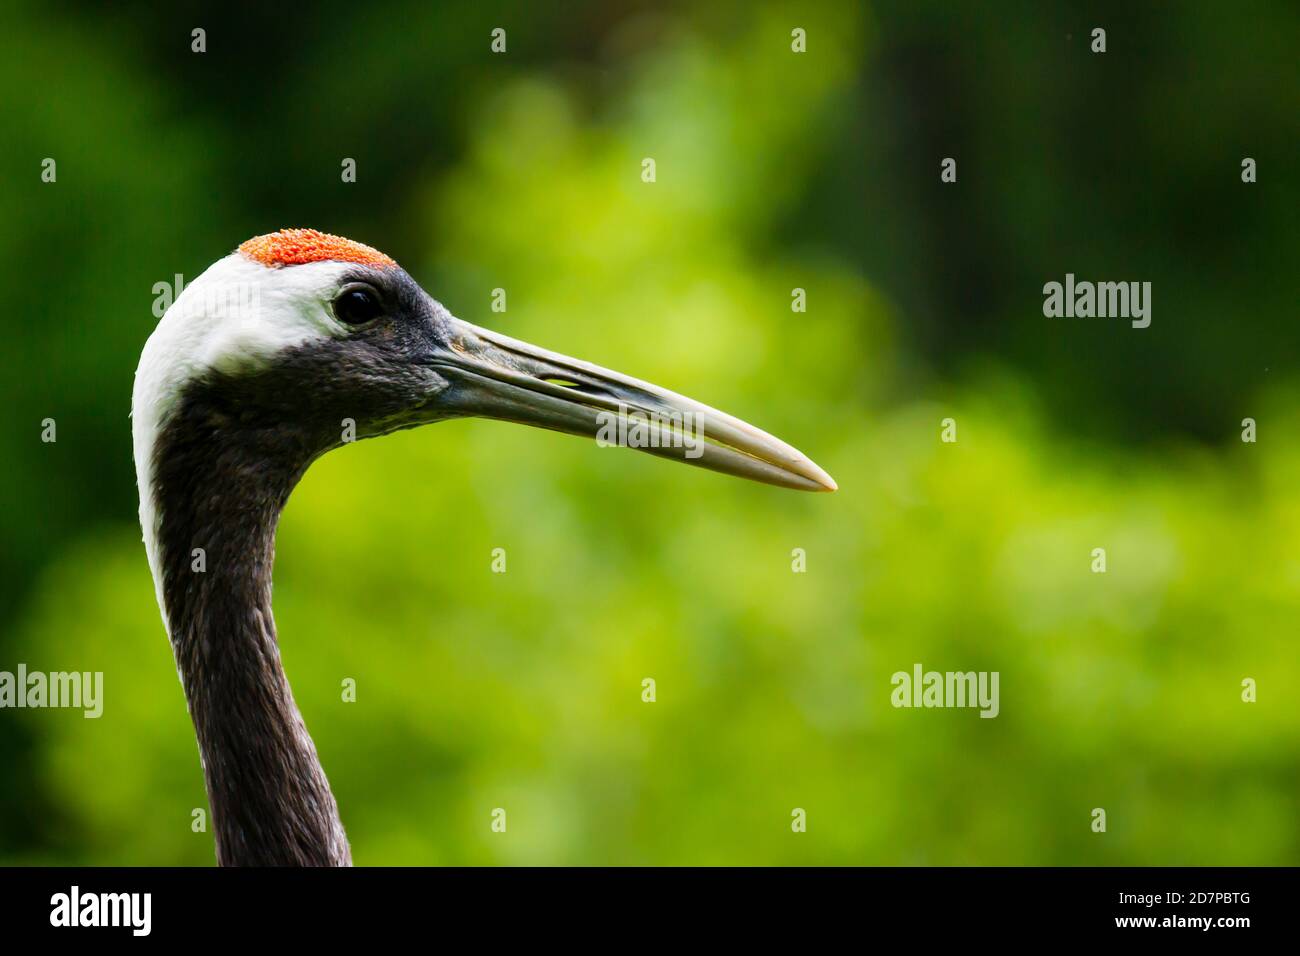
(307, 332)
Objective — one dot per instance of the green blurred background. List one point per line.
(774, 171)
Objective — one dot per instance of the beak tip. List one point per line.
(825, 483)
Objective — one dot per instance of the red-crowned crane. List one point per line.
(255, 371)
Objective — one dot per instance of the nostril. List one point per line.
(594, 389)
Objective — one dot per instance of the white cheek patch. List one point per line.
(236, 316)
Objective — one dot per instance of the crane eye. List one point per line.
(357, 305)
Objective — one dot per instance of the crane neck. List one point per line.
(221, 476)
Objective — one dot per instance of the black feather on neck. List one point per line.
(223, 467)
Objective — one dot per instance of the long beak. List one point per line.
(494, 376)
